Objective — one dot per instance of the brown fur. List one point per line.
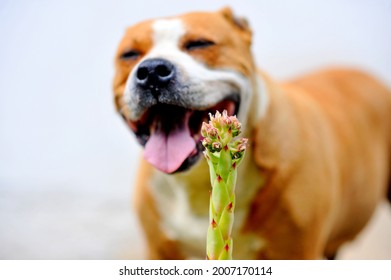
(325, 147)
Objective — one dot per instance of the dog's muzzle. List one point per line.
(169, 116)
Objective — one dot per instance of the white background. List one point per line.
(67, 162)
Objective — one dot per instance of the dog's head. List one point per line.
(170, 73)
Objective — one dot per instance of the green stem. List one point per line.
(223, 154)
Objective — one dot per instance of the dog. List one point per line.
(319, 155)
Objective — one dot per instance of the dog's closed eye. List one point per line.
(130, 55)
(198, 44)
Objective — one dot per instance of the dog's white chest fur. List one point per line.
(178, 220)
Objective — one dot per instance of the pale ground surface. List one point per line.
(54, 225)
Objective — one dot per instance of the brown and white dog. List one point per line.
(319, 159)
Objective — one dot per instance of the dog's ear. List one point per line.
(239, 22)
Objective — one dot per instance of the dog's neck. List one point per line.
(276, 125)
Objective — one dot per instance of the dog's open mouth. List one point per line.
(171, 134)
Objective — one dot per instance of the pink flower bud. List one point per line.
(227, 121)
(204, 129)
(216, 146)
(242, 145)
(212, 131)
(241, 148)
(236, 124)
(206, 142)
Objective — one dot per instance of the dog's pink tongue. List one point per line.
(167, 151)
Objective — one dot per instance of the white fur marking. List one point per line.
(178, 221)
(263, 100)
(167, 32)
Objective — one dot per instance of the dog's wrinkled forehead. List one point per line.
(229, 39)
(211, 38)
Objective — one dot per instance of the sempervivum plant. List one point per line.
(224, 152)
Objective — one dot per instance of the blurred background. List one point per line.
(67, 161)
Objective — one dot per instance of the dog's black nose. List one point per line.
(155, 73)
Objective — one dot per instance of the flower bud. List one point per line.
(241, 148)
(227, 121)
(236, 124)
(242, 144)
(216, 147)
(212, 132)
(237, 155)
(206, 142)
(204, 129)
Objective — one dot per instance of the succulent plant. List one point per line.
(223, 152)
